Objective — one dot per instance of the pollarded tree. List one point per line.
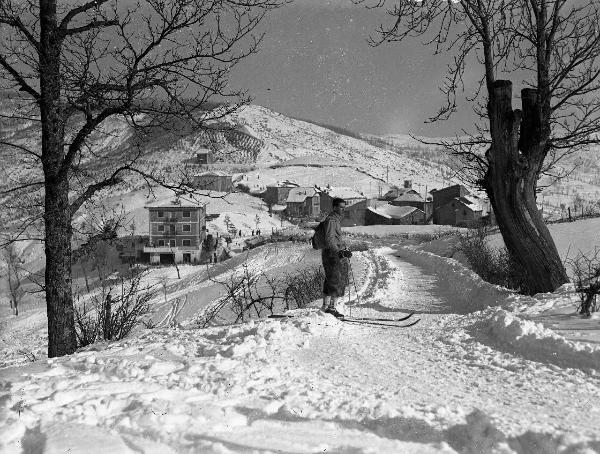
(554, 47)
(76, 65)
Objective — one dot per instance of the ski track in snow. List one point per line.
(485, 382)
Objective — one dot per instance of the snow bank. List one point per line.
(532, 341)
(505, 320)
(465, 288)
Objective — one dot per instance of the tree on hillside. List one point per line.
(76, 65)
(554, 46)
(15, 274)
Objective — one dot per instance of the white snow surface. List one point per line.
(475, 375)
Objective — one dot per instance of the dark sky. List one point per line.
(315, 63)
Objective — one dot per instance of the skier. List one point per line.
(334, 285)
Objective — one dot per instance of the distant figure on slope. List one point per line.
(335, 282)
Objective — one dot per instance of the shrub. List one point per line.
(113, 312)
(253, 295)
(358, 246)
(426, 237)
(303, 288)
(494, 265)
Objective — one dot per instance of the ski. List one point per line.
(391, 325)
(401, 319)
(357, 319)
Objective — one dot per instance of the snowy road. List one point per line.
(315, 384)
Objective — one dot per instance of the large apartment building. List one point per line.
(176, 232)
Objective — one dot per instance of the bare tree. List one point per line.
(555, 46)
(77, 64)
(15, 274)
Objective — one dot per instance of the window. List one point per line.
(172, 243)
(187, 214)
(187, 243)
(161, 227)
(161, 243)
(187, 228)
(161, 214)
(172, 229)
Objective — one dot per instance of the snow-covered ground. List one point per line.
(476, 375)
(570, 237)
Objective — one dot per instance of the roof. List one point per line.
(391, 211)
(278, 207)
(395, 191)
(213, 173)
(409, 196)
(343, 193)
(449, 187)
(171, 203)
(299, 195)
(284, 184)
(472, 202)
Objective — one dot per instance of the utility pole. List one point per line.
(387, 174)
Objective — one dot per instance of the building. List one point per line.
(394, 215)
(356, 204)
(303, 203)
(411, 198)
(203, 156)
(176, 232)
(441, 197)
(349, 195)
(214, 180)
(278, 194)
(396, 191)
(464, 211)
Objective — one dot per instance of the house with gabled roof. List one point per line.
(356, 204)
(463, 209)
(276, 194)
(213, 180)
(303, 202)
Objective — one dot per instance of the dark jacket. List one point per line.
(333, 232)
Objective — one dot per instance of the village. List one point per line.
(178, 233)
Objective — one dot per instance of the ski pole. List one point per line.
(353, 281)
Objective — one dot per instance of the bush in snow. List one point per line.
(493, 265)
(251, 295)
(357, 245)
(586, 274)
(426, 237)
(303, 287)
(114, 311)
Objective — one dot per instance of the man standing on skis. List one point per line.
(335, 281)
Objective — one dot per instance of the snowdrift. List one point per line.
(467, 290)
(502, 319)
(534, 342)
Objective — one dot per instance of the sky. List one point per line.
(315, 63)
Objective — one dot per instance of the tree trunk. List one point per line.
(59, 297)
(515, 161)
(57, 214)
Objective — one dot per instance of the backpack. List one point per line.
(318, 239)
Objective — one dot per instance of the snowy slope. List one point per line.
(488, 381)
